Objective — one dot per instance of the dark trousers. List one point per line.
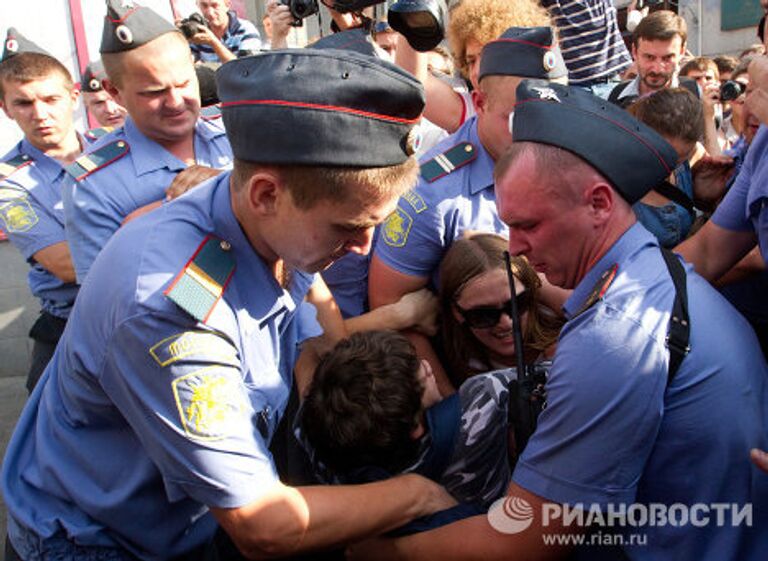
(45, 333)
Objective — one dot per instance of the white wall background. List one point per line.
(704, 35)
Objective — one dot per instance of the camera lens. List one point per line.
(731, 90)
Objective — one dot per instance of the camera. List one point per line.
(731, 90)
(300, 9)
(192, 25)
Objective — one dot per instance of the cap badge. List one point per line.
(549, 61)
(127, 4)
(124, 34)
(12, 45)
(547, 93)
(413, 141)
(94, 84)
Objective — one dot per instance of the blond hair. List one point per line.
(486, 20)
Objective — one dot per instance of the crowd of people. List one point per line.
(358, 299)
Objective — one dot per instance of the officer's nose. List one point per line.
(361, 244)
(517, 244)
(175, 97)
(39, 110)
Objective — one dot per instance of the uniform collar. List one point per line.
(481, 170)
(49, 167)
(636, 236)
(149, 156)
(251, 270)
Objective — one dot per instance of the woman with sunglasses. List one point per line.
(475, 302)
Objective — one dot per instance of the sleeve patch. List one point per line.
(397, 227)
(189, 344)
(415, 200)
(18, 215)
(210, 402)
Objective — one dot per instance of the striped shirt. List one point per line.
(590, 39)
(241, 37)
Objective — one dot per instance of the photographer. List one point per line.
(221, 36)
(280, 15)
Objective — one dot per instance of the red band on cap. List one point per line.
(122, 19)
(505, 40)
(283, 103)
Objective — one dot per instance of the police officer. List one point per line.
(150, 73)
(37, 92)
(108, 113)
(658, 387)
(455, 193)
(161, 403)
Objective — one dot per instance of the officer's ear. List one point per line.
(264, 193)
(479, 100)
(601, 199)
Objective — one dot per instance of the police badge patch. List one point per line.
(210, 402)
(18, 215)
(396, 228)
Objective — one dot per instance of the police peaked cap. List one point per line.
(630, 154)
(128, 26)
(319, 107)
(530, 52)
(16, 43)
(92, 77)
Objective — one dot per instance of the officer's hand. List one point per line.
(417, 310)
(386, 548)
(188, 178)
(281, 17)
(304, 370)
(710, 177)
(760, 459)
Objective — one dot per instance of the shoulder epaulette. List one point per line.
(448, 162)
(99, 158)
(600, 288)
(16, 163)
(210, 112)
(95, 134)
(202, 281)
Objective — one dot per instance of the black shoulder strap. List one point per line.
(613, 97)
(679, 335)
(675, 195)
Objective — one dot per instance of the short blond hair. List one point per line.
(308, 185)
(486, 20)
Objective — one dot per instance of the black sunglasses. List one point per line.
(482, 317)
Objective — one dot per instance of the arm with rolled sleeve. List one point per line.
(198, 419)
(42, 238)
(729, 235)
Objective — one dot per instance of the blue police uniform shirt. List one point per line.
(32, 214)
(743, 207)
(671, 222)
(613, 433)
(146, 415)
(430, 217)
(96, 205)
